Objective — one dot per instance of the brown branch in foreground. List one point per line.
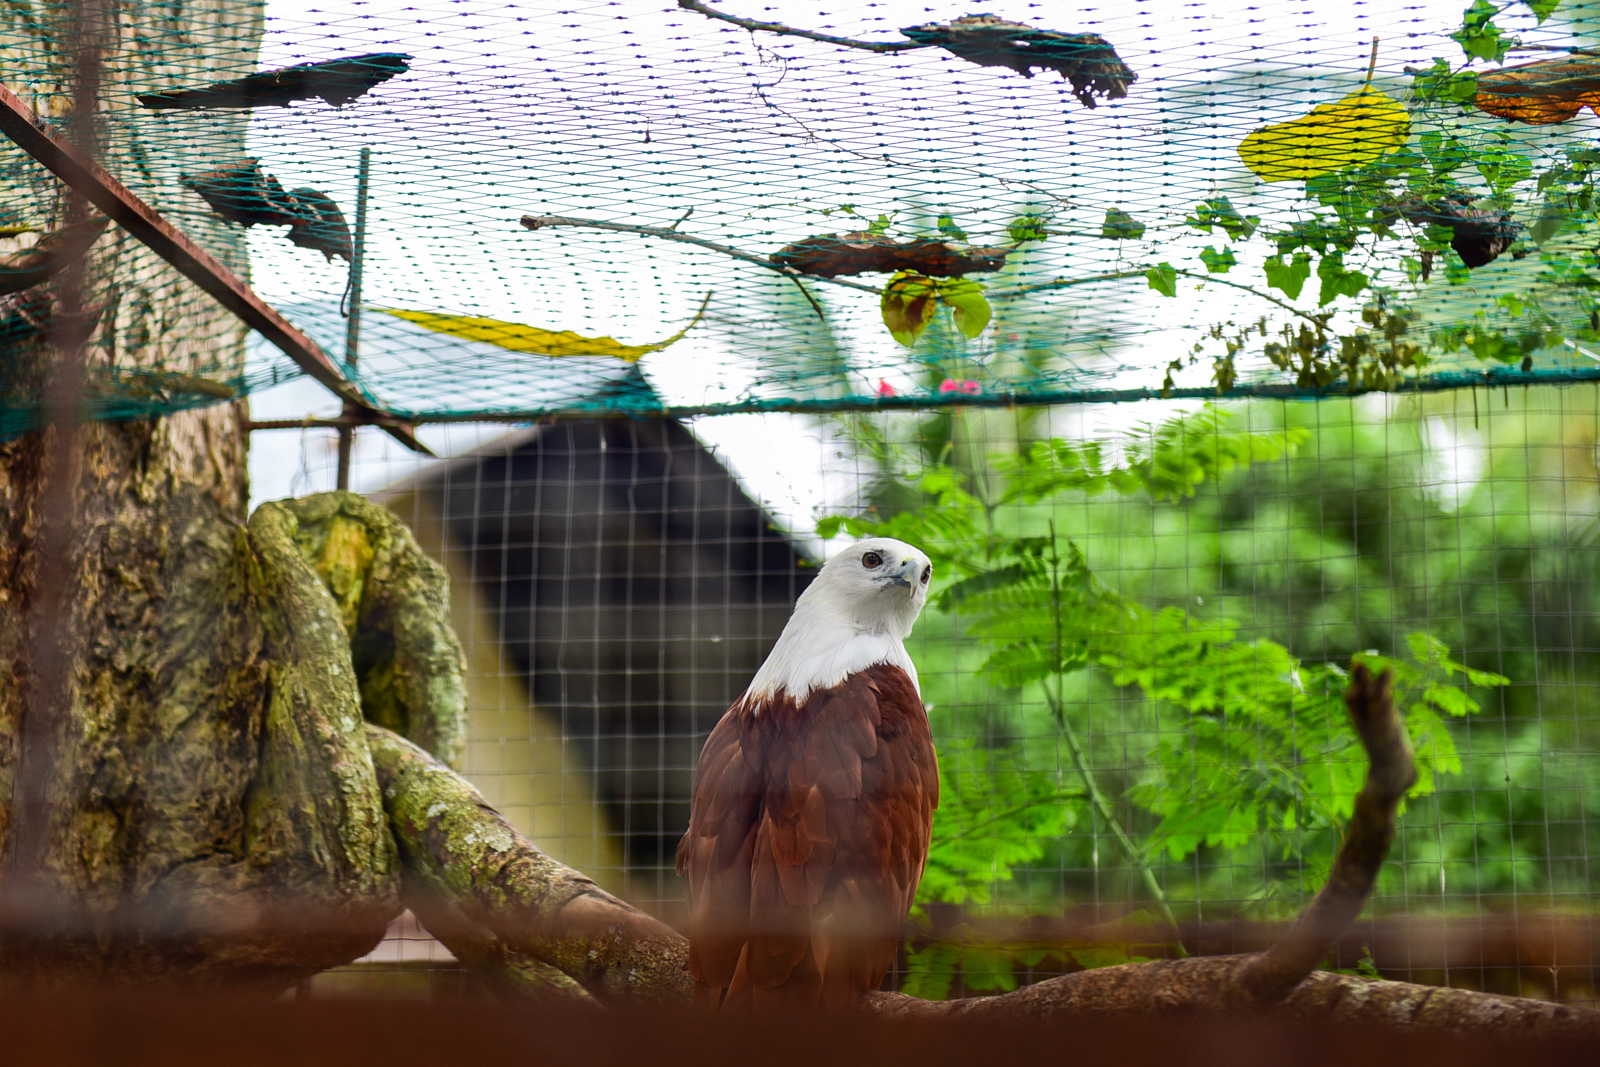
(1211, 985)
(1390, 774)
(498, 902)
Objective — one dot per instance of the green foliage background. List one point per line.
(1135, 646)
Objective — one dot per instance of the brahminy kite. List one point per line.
(814, 797)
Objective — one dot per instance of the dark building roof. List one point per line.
(635, 584)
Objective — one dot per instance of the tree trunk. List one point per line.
(182, 764)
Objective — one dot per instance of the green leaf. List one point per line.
(965, 297)
(1442, 85)
(1218, 262)
(1288, 278)
(931, 971)
(988, 968)
(1163, 278)
(1503, 168)
(1121, 226)
(908, 304)
(948, 227)
(1479, 37)
(1427, 649)
(880, 225)
(1337, 281)
(1552, 213)
(828, 526)
(1220, 212)
(1443, 153)
(1027, 228)
(1542, 9)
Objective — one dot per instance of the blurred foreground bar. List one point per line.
(102, 1028)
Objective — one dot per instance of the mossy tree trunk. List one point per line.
(185, 788)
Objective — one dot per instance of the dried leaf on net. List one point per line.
(1549, 91)
(1479, 234)
(338, 81)
(1350, 132)
(517, 337)
(243, 193)
(319, 224)
(1087, 60)
(829, 255)
(23, 270)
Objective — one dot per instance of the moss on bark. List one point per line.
(394, 603)
(493, 897)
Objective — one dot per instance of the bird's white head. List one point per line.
(855, 614)
(875, 586)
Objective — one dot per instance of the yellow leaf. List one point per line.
(1355, 130)
(519, 338)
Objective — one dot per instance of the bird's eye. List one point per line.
(927, 572)
(871, 560)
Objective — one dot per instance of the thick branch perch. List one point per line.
(1283, 978)
(1211, 985)
(497, 901)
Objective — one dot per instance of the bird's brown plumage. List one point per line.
(807, 837)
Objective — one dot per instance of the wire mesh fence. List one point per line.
(888, 289)
(590, 182)
(1451, 534)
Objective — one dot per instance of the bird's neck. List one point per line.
(818, 650)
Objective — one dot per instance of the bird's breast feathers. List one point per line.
(822, 660)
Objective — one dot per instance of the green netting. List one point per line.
(1408, 238)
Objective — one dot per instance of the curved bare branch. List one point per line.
(498, 902)
(789, 31)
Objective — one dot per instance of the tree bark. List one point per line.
(490, 896)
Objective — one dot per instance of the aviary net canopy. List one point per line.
(641, 207)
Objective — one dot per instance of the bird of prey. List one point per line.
(813, 799)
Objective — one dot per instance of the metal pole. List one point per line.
(52, 658)
(352, 329)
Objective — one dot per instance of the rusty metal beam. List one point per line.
(18, 121)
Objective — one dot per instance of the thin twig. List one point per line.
(1080, 763)
(798, 284)
(539, 222)
(1062, 283)
(790, 31)
(1320, 321)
